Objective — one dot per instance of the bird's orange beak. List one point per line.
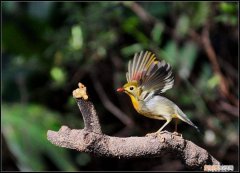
(120, 89)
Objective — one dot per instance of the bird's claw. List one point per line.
(177, 134)
(155, 134)
(151, 134)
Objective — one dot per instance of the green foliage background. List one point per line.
(48, 47)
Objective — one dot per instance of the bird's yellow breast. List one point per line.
(156, 113)
(135, 102)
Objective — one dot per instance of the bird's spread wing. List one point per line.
(152, 75)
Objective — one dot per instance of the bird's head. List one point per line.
(130, 88)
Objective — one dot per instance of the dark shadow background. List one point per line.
(48, 47)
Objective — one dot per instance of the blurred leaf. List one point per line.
(132, 26)
(205, 74)
(157, 9)
(170, 52)
(185, 99)
(227, 19)
(58, 75)
(25, 128)
(202, 83)
(200, 13)
(157, 33)
(187, 58)
(101, 51)
(141, 37)
(130, 50)
(182, 26)
(213, 81)
(227, 7)
(76, 40)
(228, 13)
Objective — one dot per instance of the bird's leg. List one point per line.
(176, 122)
(168, 121)
(175, 132)
(160, 130)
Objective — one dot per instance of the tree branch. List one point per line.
(91, 140)
(90, 117)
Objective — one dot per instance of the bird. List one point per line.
(147, 78)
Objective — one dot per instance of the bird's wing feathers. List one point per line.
(151, 74)
(159, 77)
(139, 65)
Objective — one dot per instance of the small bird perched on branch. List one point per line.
(147, 78)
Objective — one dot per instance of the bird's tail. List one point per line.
(184, 118)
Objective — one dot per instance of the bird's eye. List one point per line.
(131, 88)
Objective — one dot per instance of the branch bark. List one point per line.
(92, 140)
